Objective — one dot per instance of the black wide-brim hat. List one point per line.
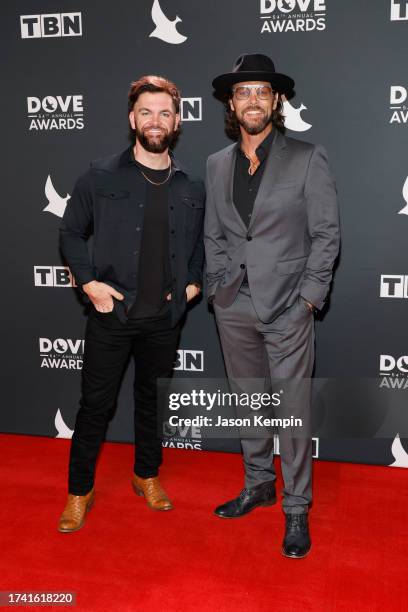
(254, 67)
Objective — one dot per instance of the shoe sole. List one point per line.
(83, 522)
(295, 556)
(267, 503)
(140, 493)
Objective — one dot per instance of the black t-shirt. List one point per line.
(154, 262)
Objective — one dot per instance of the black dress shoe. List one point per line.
(261, 495)
(296, 543)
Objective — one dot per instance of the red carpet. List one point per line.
(130, 558)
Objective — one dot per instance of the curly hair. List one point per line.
(231, 124)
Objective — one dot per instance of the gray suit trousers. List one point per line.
(282, 349)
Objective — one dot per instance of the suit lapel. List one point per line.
(273, 162)
(228, 176)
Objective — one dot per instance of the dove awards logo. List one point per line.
(56, 204)
(292, 16)
(399, 453)
(186, 436)
(394, 286)
(165, 30)
(55, 113)
(293, 119)
(61, 353)
(404, 210)
(51, 25)
(394, 372)
(62, 428)
(398, 104)
(399, 10)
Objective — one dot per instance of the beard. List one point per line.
(252, 126)
(156, 144)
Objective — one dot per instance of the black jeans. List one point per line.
(108, 345)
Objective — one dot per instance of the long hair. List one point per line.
(231, 124)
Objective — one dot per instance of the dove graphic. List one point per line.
(50, 104)
(293, 120)
(56, 205)
(286, 5)
(61, 427)
(399, 452)
(165, 29)
(404, 211)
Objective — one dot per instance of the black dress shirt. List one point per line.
(246, 186)
(109, 203)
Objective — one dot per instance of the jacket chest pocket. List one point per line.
(114, 205)
(192, 204)
(192, 212)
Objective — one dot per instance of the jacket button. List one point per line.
(173, 232)
(173, 255)
(171, 207)
(249, 238)
(242, 266)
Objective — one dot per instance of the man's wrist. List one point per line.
(87, 286)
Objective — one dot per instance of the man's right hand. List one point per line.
(101, 295)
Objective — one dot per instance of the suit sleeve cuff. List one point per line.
(314, 293)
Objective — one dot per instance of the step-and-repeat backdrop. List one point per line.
(66, 74)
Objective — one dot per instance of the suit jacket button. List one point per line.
(249, 238)
(242, 266)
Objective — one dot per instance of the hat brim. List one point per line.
(280, 82)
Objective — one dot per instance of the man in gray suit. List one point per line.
(271, 238)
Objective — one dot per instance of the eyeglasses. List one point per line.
(242, 92)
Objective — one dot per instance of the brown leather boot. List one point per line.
(73, 517)
(152, 491)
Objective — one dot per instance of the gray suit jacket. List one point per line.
(293, 238)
